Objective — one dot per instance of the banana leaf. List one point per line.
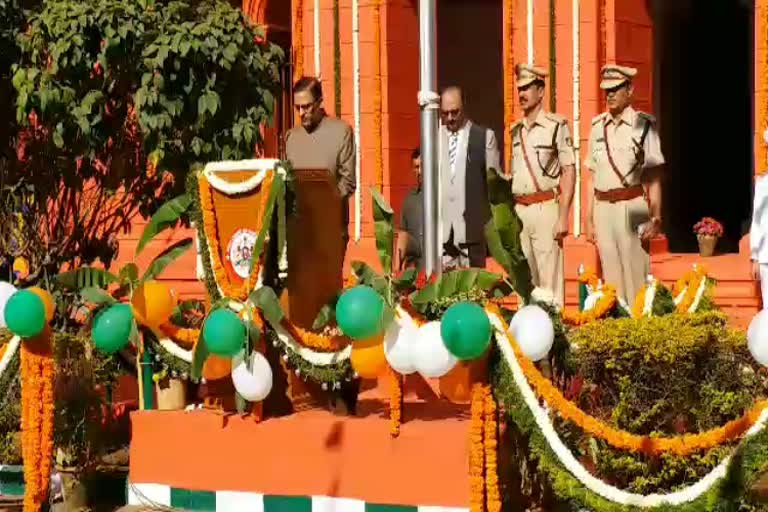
(97, 296)
(451, 283)
(165, 258)
(383, 230)
(266, 300)
(129, 273)
(406, 279)
(86, 277)
(502, 233)
(369, 277)
(165, 217)
(326, 315)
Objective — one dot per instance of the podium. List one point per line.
(317, 239)
(316, 235)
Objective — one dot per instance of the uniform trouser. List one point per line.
(764, 283)
(543, 252)
(624, 259)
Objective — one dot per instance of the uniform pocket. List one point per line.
(638, 213)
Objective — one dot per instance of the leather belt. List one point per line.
(616, 195)
(537, 197)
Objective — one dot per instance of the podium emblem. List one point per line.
(240, 250)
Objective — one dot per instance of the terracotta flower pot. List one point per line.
(707, 245)
(171, 394)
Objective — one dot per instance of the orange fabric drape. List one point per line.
(509, 83)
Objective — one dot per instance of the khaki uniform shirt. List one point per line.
(542, 153)
(624, 138)
(330, 146)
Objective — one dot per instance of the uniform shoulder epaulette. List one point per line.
(598, 118)
(647, 117)
(556, 118)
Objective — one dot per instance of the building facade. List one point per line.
(702, 72)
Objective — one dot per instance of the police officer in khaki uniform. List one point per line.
(624, 204)
(543, 179)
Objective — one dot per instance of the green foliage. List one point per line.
(663, 302)
(82, 379)
(165, 217)
(445, 288)
(502, 234)
(561, 488)
(650, 371)
(383, 229)
(165, 258)
(86, 277)
(117, 100)
(660, 376)
(10, 407)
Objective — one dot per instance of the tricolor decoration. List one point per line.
(158, 495)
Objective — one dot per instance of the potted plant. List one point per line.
(708, 232)
(170, 376)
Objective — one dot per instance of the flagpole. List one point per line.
(429, 101)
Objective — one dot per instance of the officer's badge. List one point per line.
(569, 142)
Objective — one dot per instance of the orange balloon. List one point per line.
(153, 304)
(216, 367)
(456, 385)
(368, 358)
(50, 307)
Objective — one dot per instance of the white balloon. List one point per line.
(532, 328)
(757, 337)
(253, 385)
(6, 290)
(399, 340)
(430, 356)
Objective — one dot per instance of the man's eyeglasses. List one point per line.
(306, 107)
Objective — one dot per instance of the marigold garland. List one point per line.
(313, 340)
(602, 308)
(680, 445)
(639, 305)
(37, 406)
(589, 278)
(509, 87)
(210, 228)
(476, 449)
(298, 39)
(3, 348)
(689, 285)
(493, 495)
(186, 337)
(377, 103)
(395, 401)
(761, 31)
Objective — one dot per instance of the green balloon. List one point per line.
(112, 328)
(466, 330)
(25, 314)
(360, 313)
(224, 333)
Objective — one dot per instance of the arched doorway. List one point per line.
(703, 99)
